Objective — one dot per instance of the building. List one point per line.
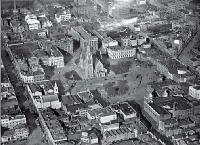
(194, 91)
(172, 68)
(116, 135)
(99, 70)
(117, 52)
(10, 122)
(104, 115)
(89, 138)
(86, 8)
(5, 82)
(32, 22)
(45, 23)
(50, 55)
(133, 40)
(17, 26)
(113, 125)
(86, 63)
(86, 39)
(18, 133)
(63, 16)
(44, 94)
(125, 110)
(169, 115)
(65, 43)
(107, 42)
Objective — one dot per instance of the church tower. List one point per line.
(88, 63)
(55, 88)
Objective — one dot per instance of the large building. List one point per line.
(170, 115)
(104, 115)
(62, 16)
(32, 22)
(99, 70)
(20, 132)
(86, 63)
(86, 39)
(194, 91)
(125, 110)
(44, 94)
(117, 52)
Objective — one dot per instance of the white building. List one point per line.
(194, 91)
(50, 57)
(12, 121)
(45, 23)
(99, 70)
(108, 41)
(117, 52)
(63, 16)
(141, 2)
(44, 94)
(26, 78)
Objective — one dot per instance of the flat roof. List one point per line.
(38, 86)
(117, 132)
(117, 47)
(71, 100)
(124, 107)
(181, 102)
(85, 96)
(102, 112)
(197, 87)
(158, 109)
(82, 32)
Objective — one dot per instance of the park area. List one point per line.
(117, 88)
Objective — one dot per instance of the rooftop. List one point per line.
(117, 47)
(85, 96)
(124, 107)
(82, 32)
(181, 102)
(50, 98)
(197, 87)
(51, 114)
(158, 109)
(117, 132)
(71, 100)
(4, 76)
(45, 85)
(102, 112)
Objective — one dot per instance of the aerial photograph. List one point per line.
(100, 72)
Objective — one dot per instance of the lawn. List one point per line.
(121, 67)
(116, 89)
(72, 75)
